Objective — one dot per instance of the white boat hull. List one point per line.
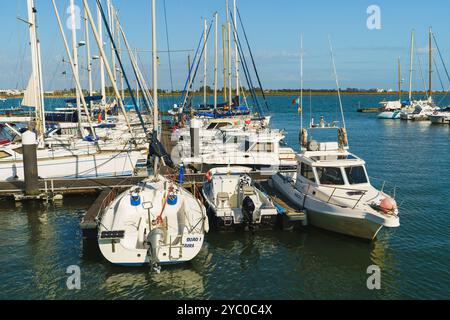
(348, 221)
(389, 115)
(105, 164)
(181, 234)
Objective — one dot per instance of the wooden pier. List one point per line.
(51, 188)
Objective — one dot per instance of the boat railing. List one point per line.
(386, 187)
(333, 195)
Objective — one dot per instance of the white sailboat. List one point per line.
(421, 110)
(156, 222)
(332, 186)
(234, 201)
(73, 150)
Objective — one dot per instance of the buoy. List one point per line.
(388, 205)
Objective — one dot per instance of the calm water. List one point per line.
(38, 242)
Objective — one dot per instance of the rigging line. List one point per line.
(253, 60)
(132, 61)
(188, 83)
(337, 82)
(199, 60)
(440, 55)
(168, 51)
(133, 98)
(439, 74)
(247, 72)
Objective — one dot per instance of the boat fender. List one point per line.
(135, 199)
(209, 176)
(172, 200)
(388, 205)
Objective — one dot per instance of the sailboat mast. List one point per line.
(411, 62)
(229, 55)
(102, 62)
(236, 53)
(73, 27)
(399, 80)
(205, 60)
(430, 64)
(216, 59)
(155, 82)
(301, 82)
(224, 65)
(112, 29)
(36, 72)
(88, 55)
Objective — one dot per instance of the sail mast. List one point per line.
(73, 26)
(224, 65)
(229, 55)
(155, 82)
(36, 76)
(430, 64)
(88, 55)
(236, 52)
(102, 62)
(301, 81)
(411, 61)
(216, 60)
(399, 80)
(205, 60)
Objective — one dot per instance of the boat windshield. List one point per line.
(330, 176)
(356, 175)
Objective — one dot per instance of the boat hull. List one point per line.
(389, 115)
(76, 167)
(346, 221)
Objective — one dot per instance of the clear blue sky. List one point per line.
(365, 58)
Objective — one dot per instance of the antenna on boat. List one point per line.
(337, 83)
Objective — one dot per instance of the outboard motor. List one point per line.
(154, 240)
(248, 209)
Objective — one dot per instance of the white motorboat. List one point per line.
(391, 110)
(333, 187)
(234, 201)
(258, 149)
(154, 223)
(441, 117)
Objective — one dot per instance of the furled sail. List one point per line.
(31, 97)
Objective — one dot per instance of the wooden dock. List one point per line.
(291, 214)
(370, 110)
(50, 188)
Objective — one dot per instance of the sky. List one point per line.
(365, 58)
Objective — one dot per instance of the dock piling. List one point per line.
(30, 165)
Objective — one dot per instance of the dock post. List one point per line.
(30, 165)
(195, 137)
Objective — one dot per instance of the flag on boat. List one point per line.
(299, 102)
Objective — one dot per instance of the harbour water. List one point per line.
(39, 241)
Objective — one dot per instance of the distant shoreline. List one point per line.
(280, 93)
